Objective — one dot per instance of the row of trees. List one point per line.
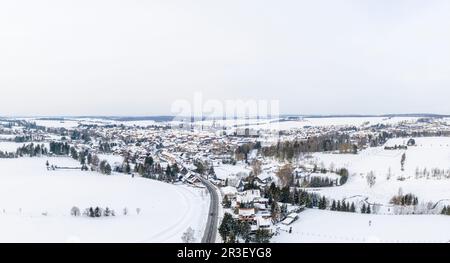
(307, 199)
(80, 135)
(435, 173)
(317, 182)
(86, 159)
(366, 209)
(59, 148)
(149, 168)
(339, 141)
(32, 150)
(405, 200)
(343, 206)
(289, 150)
(106, 147)
(104, 167)
(7, 155)
(446, 211)
(295, 197)
(286, 176)
(99, 212)
(242, 151)
(152, 170)
(23, 138)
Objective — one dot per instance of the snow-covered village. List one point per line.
(288, 180)
(209, 131)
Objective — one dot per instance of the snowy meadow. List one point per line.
(36, 205)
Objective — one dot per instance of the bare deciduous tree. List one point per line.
(371, 179)
(256, 168)
(285, 175)
(188, 236)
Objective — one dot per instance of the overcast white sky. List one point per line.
(136, 57)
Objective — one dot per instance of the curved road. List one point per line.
(213, 216)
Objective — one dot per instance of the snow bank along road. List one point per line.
(211, 225)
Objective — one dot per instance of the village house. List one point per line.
(247, 215)
(291, 218)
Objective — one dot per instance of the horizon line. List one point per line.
(114, 116)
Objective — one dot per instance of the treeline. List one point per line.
(365, 209)
(341, 142)
(317, 182)
(306, 199)
(23, 138)
(106, 147)
(404, 200)
(25, 124)
(59, 148)
(150, 169)
(99, 212)
(435, 173)
(344, 206)
(296, 197)
(446, 211)
(85, 157)
(32, 150)
(242, 151)
(80, 135)
(7, 155)
(288, 150)
(419, 133)
(28, 150)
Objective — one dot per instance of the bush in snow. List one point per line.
(371, 179)
(317, 182)
(402, 161)
(389, 174)
(98, 212)
(405, 200)
(446, 211)
(91, 212)
(344, 176)
(188, 236)
(365, 209)
(105, 167)
(75, 211)
(107, 212)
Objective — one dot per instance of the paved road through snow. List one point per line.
(211, 225)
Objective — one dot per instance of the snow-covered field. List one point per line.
(35, 205)
(110, 158)
(321, 122)
(7, 136)
(386, 226)
(57, 123)
(316, 226)
(10, 146)
(258, 124)
(225, 171)
(75, 122)
(430, 153)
